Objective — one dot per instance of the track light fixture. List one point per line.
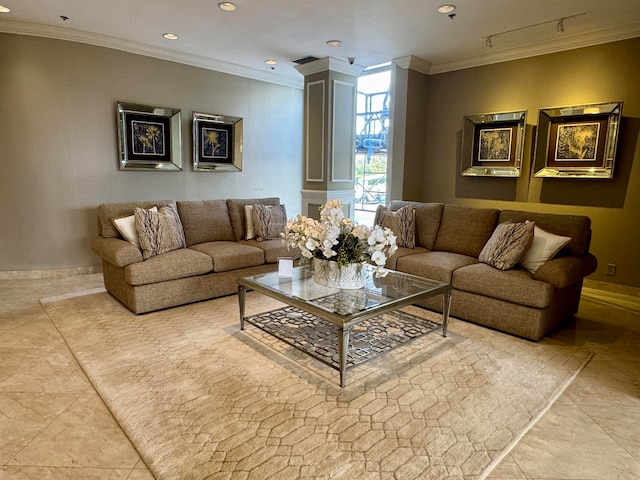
(560, 25)
(558, 21)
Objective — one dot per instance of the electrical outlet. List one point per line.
(611, 269)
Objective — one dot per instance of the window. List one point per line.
(372, 126)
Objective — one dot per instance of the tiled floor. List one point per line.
(53, 425)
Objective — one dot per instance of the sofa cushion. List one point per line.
(205, 221)
(268, 221)
(273, 249)
(434, 265)
(230, 255)
(465, 230)
(514, 285)
(159, 232)
(428, 217)
(508, 243)
(108, 211)
(237, 213)
(168, 266)
(401, 222)
(392, 261)
(578, 227)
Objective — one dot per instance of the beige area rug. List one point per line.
(201, 399)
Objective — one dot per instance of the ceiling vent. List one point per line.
(303, 60)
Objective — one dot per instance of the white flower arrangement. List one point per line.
(337, 238)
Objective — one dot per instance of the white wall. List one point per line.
(58, 143)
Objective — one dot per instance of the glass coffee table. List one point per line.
(342, 328)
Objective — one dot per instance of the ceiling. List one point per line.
(371, 31)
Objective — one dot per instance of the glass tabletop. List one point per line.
(387, 291)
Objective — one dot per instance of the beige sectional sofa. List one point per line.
(449, 240)
(216, 254)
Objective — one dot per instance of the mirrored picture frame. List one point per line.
(149, 138)
(217, 143)
(493, 144)
(578, 141)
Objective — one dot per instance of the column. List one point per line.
(330, 87)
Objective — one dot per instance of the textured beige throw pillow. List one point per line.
(507, 245)
(402, 223)
(268, 221)
(159, 232)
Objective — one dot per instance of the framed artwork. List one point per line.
(217, 143)
(149, 138)
(493, 144)
(578, 141)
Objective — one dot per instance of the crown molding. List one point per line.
(58, 33)
(329, 64)
(411, 62)
(563, 43)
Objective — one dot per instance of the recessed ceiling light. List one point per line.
(170, 36)
(446, 9)
(4, 9)
(227, 6)
(270, 62)
(334, 43)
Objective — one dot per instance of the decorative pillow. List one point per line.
(402, 223)
(268, 221)
(543, 248)
(127, 227)
(159, 232)
(507, 245)
(248, 217)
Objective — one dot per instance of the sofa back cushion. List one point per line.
(205, 221)
(108, 211)
(237, 213)
(427, 220)
(578, 227)
(465, 230)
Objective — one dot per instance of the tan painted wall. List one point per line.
(58, 142)
(602, 73)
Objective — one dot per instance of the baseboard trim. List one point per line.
(54, 273)
(612, 287)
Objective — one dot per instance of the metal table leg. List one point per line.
(241, 292)
(446, 306)
(343, 346)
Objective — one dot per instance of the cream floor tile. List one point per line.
(36, 332)
(606, 382)
(567, 444)
(57, 372)
(12, 360)
(85, 435)
(24, 415)
(622, 423)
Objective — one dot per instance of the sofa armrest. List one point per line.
(564, 271)
(116, 251)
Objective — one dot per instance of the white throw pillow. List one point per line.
(248, 222)
(127, 227)
(543, 248)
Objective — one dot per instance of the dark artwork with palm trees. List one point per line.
(495, 145)
(215, 144)
(577, 142)
(148, 138)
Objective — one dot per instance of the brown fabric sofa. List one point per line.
(216, 254)
(449, 239)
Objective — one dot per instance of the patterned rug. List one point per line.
(201, 399)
